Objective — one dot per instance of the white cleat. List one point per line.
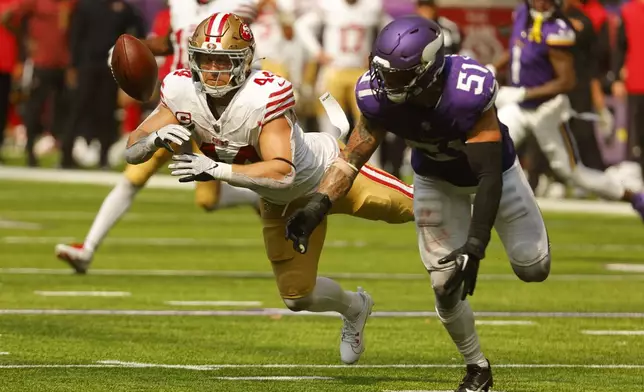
(75, 255)
(352, 343)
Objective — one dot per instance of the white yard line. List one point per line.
(213, 303)
(505, 322)
(257, 242)
(169, 182)
(613, 333)
(424, 390)
(274, 378)
(625, 267)
(124, 364)
(11, 224)
(287, 312)
(334, 275)
(4, 353)
(81, 216)
(82, 293)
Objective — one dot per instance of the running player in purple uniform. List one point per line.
(444, 107)
(541, 73)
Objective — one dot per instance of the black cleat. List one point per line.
(477, 379)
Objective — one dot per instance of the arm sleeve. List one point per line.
(306, 28)
(485, 161)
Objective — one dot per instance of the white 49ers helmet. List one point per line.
(220, 53)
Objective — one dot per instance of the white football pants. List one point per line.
(549, 125)
(443, 214)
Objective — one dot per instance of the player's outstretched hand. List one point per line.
(466, 268)
(303, 222)
(172, 133)
(193, 167)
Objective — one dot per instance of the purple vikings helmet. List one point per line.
(407, 57)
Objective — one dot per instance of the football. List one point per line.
(134, 68)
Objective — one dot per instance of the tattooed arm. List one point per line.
(364, 140)
(336, 182)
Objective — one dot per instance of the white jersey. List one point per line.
(185, 16)
(348, 30)
(267, 30)
(234, 137)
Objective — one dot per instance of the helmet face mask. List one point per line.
(220, 53)
(408, 57)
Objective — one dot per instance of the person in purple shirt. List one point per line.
(444, 107)
(541, 73)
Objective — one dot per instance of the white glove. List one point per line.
(109, 57)
(171, 133)
(197, 167)
(509, 95)
(606, 123)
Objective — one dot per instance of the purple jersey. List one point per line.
(437, 135)
(529, 45)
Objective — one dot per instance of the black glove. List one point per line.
(466, 268)
(301, 224)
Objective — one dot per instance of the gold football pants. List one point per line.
(206, 193)
(375, 195)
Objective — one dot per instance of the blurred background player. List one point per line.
(43, 26)
(348, 28)
(95, 27)
(208, 195)
(541, 70)
(629, 76)
(586, 98)
(8, 62)
(273, 31)
(452, 33)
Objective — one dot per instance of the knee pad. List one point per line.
(530, 263)
(298, 304)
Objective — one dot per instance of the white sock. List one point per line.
(459, 323)
(329, 296)
(114, 206)
(230, 196)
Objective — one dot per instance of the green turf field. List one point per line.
(141, 335)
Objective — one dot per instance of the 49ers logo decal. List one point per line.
(245, 33)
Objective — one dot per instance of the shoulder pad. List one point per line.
(370, 102)
(176, 89)
(470, 88)
(558, 33)
(269, 95)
